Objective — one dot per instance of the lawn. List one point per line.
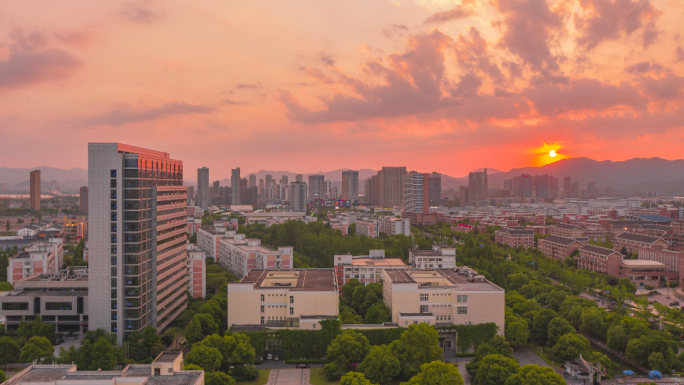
(261, 380)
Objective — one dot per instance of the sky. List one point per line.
(308, 86)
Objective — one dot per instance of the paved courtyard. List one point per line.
(289, 377)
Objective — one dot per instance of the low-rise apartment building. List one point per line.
(567, 231)
(293, 298)
(557, 247)
(44, 257)
(194, 224)
(240, 255)
(208, 239)
(197, 272)
(366, 268)
(599, 259)
(367, 227)
(443, 297)
(632, 242)
(272, 218)
(59, 299)
(394, 226)
(440, 257)
(515, 237)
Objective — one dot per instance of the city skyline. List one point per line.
(445, 86)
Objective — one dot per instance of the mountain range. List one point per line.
(664, 176)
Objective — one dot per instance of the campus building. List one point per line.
(239, 255)
(567, 231)
(197, 271)
(439, 257)
(293, 298)
(443, 297)
(632, 242)
(557, 247)
(599, 259)
(366, 268)
(515, 237)
(44, 257)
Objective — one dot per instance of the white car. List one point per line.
(269, 357)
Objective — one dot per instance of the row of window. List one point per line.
(263, 297)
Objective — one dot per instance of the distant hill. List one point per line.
(69, 180)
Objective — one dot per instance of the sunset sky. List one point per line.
(309, 86)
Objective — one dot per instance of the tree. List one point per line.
(496, 345)
(380, 366)
(216, 282)
(623, 251)
(558, 327)
(376, 315)
(418, 345)
(9, 350)
(517, 332)
(349, 288)
(191, 367)
(36, 328)
(656, 361)
(218, 378)
(436, 373)
(2, 377)
(347, 347)
(535, 374)
(225, 345)
(243, 352)
(495, 369)
(37, 349)
(640, 349)
(201, 326)
(209, 359)
(570, 346)
(352, 378)
(540, 324)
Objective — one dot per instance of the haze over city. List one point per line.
(309, 86)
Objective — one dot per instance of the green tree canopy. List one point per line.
(558, 327)
(9, 350)
(37, 349)
(209, 359)
(570, 346)
(202, 325)
(436, 373)
(218, 378)
(535, 375)
(380, 366)
(495, 369)
(353, 378)
(540, 324)
(418, 345)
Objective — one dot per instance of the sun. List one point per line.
(552, 153)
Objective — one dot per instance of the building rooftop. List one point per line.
(167, 357)
(378, 262)
(211, 230)
(513, 231)
(629, 223)
(654, 218)
(559, 240)
(425, 253)
(461, 278)
(567, 227)
(634, 237)
(599, 250)
(23, 254)
(643, 263)
(50, 293)
(292, 279)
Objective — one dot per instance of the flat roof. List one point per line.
(303, 279)
(167, 357)
(378, 262)
(642, 263)
(33, 293)
(425, 253)
(454, 279)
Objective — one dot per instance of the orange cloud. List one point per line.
(542, 155)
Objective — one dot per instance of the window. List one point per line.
(462, 298)
(58, 306)
(291, 311)
(462, 310)
(424, 297)
(262, 299)
(424, 308)
(262, 320)
(291, 299)
(113, 173)
(262, 308)
(15, 306)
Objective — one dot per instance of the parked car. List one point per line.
(303, 366)
(269, 356)
(355, 364)
(275, 358)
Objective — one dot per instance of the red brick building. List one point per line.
(557, 247)
(515, 237)
(632, 242)
(599, 259)
(568, 231)
(674, 260)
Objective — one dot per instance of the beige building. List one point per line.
(568, 231)
(166, 369)
(293, 298)
(366, 268)
(438, 258)
(443, 297)
(557, 247)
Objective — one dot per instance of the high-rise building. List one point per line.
(477, 187)
(350, 185)
(299, 178)
(463, 196)
(435, 188)
(249, 196)
(591, 187)
(202, 197)
(137, 241)
(391, 186)
(370, 190)
(298, 196)
(317, 186)
(416, 192)
(191, 195)
(284, 179)
(83, 202)
(216, 185)
(252, 180)
(335, 194)
(35, 190)
(567, 183)
(523, 186)
(508, 184)
(261, 187)
(269, 181)
(553, 187)
(235, 186)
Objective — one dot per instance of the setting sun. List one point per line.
(552, 153)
